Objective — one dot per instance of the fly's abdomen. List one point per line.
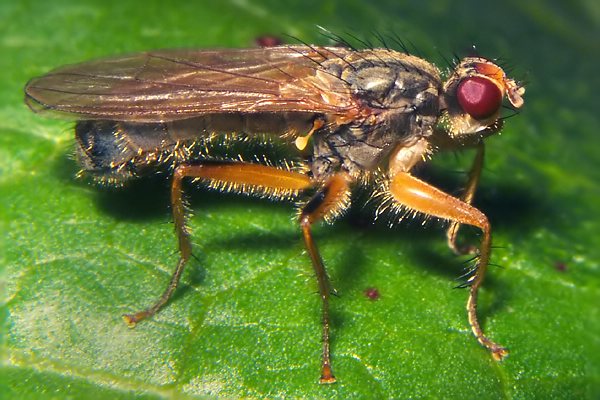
(114, 151)
(109, 150)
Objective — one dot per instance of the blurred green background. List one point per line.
(245, 323)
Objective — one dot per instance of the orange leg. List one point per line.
(329, 199)
(415, 194)
(467, 197)
(269, 179)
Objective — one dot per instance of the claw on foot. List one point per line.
(327, 375)
(132, 319)
(499, 353)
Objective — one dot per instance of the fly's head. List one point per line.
(473, 96)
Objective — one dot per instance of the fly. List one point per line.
(351, 117)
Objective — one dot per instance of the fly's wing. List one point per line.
(177, 84)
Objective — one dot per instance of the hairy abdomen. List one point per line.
(114, 151)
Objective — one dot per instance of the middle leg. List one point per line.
(331, 199)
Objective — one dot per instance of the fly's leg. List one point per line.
(277, 180)
(467, 197)
(185, 250)
(331, 197)
(415, 194)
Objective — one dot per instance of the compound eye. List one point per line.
(479, 97)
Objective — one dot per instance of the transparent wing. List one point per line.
(178, 84)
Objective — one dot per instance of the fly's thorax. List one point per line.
(389, 80)
(400, 93)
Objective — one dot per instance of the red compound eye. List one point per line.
(479, 97)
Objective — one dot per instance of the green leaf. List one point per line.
(246, 321)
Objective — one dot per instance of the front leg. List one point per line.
(414, 194)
